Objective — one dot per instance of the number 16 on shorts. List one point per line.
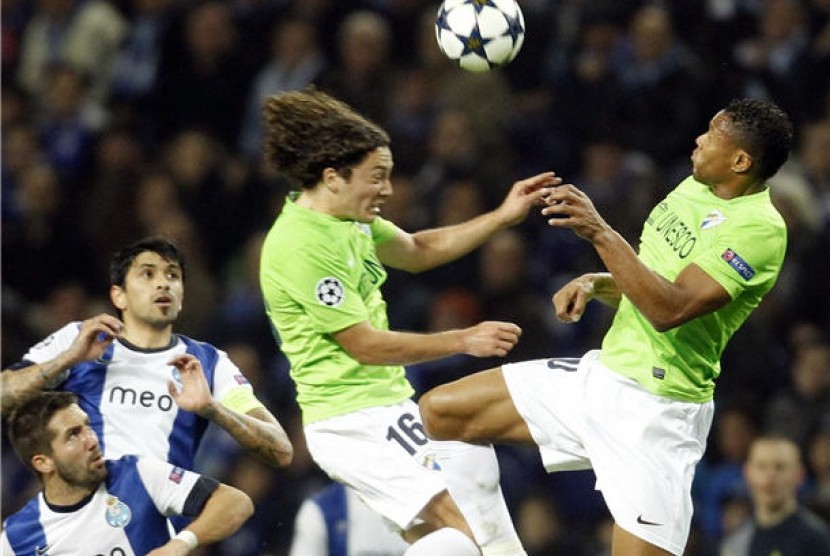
(408, 433)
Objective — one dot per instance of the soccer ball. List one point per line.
(479, 35)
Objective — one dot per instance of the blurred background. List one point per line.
(124, 118)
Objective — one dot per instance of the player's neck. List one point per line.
(769, 517)
(317, 200)
(58, 492)
(146, 336)
(732, 190)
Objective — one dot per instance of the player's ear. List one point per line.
(332, 180)
(43, 464)
(741, 162)
(118, 297)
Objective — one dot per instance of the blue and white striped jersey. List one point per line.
(125, 516)
(126, 397)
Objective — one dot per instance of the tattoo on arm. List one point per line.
(259, 432)
(19, 386)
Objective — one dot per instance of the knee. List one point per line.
(434, 407)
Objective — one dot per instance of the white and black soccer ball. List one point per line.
(479, 35)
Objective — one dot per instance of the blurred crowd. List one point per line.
(126, 118)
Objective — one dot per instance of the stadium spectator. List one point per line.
(362, 73)
(203, 75)
(662, 84)
(817, 494)
(721, 477)
(85, 34)
(775, 60)
(44, 232)
(68, 124)
(297, 60)
(780, 525)
(542, 529)
(798, 410)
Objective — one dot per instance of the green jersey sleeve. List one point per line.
(744, 255)
(323, 283)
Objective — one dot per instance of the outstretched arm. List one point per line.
(224, 513)
(430, 248)
(371, 346)
(20, 385)
(664, 303)
(258, 431)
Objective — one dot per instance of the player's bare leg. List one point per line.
(444, 530)
(476, 409)
(627, 544)
(440, 512)
(479, 403)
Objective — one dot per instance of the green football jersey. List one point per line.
(319, 275)
(740, 243)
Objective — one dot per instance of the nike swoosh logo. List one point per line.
(642, 521)
(42, 550)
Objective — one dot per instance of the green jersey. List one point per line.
(740, 243)
(320, 275)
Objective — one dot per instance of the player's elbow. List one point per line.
(669, 320)
(239, 506)
(363, 346)
(661, 325)
(362, 342)
(363, 354)
(227, 509)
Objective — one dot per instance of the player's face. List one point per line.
(773, 473)
(716, 149)
(153, 291)
(76, 453)
(363, 195)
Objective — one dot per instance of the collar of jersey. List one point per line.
(309, 214)
(72, 507)
(174, 339)
(762, 196)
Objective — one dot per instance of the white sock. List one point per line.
(443, 542)
(472, 475)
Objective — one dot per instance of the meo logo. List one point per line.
(128, 396)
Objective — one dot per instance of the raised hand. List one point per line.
(194, 394)
(568, 207)
(570, 301)
(525, 194)
(96, 335)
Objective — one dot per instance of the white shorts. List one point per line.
(384, 454)
(643, 447)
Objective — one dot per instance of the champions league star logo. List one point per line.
(330, 291)
(118, 513)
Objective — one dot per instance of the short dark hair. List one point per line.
(309, 131)
(765, 131)
(123, 259)
(29, 432)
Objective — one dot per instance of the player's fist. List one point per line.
(491, 338)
